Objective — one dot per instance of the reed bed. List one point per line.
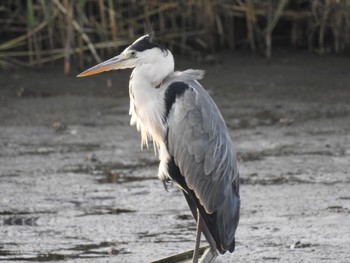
(35, 32)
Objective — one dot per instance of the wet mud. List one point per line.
(75, 186)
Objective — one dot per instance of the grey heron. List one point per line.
(189, 134)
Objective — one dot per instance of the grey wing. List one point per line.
(199, 142)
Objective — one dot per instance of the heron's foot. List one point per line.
(208, 256)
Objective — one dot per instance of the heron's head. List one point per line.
(143, 52)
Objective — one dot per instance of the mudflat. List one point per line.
(75, 186)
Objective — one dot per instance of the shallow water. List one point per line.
(75, 186)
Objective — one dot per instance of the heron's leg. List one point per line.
(210, 254)
(198, 238)
(210, 240)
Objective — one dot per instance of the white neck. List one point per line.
(146, 103)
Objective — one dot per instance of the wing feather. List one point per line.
(201, 148)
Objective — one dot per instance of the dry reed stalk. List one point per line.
(209, 10)
(103, 18)
(272, 20)
(112, 22)
(48, 12)
(69, 15)
(80, 54)
(230, 30)
(30, 19)
(146, 12)
(324, 18)
(268, 30)
(183, 36)
(36, 44)
(250, 19)
(220, 30)
(339, 21)
(102, 26)
(33, 17)
(80, 30)
(161, 21)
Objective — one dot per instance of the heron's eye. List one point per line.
(133, 53)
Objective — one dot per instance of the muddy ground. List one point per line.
(75, 186)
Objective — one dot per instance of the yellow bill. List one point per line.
(114, 63)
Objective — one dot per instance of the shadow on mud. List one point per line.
(110, 172)
(21, 218)
(90, 250)
(107, 211)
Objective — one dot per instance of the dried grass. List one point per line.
(35, 32)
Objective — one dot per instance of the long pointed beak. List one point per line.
(110, 64)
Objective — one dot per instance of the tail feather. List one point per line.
(227, 220)
(220, 225)
(209, 229)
